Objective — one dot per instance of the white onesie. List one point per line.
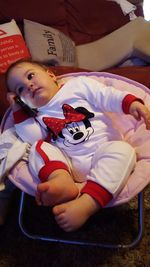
(76, 121)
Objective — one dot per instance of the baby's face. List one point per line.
(32, 83)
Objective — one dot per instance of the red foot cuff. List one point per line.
(51, 166)
(97, 192)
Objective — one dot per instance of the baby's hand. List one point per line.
(138, 111)
(11, 99)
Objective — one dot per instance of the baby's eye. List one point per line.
(30, 75)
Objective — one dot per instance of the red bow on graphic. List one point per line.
(57, 125)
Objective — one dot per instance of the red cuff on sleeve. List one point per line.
(20, 116)
(97, 192)
(127, 101)
(49, 167)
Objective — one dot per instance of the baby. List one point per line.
(73, 117)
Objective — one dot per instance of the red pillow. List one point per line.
(12, 45)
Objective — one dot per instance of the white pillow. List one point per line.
(12, 45)
(48, 45)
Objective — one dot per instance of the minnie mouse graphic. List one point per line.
(75, 128)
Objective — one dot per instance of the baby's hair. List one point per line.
(20, 61)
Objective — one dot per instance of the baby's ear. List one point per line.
(52, 75)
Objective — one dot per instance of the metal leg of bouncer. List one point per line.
(86, 243)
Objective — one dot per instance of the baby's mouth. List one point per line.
(36, 91)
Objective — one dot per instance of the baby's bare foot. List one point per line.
(72, 215)
(58, 189)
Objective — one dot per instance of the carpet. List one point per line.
(113, 225)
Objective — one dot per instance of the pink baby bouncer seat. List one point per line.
(134, 133)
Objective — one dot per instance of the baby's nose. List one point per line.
(30, 86)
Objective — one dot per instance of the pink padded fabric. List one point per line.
(134, 132)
